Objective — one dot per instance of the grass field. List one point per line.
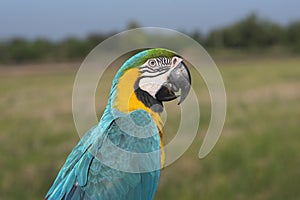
(257, 156)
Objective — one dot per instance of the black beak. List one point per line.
(179, 79)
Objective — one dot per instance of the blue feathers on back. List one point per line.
(84, 176)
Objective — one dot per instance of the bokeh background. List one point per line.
(255, 44)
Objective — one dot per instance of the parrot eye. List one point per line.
(152, 63)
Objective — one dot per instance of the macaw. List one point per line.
(101, 167)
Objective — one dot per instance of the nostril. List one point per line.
(174, 61)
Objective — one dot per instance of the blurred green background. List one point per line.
(257, 156)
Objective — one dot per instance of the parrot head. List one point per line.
(149, 78)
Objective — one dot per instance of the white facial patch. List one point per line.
(153, 84)
(155, 73)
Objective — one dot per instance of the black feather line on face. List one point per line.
(147, 99)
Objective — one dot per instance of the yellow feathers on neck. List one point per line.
(126, 100)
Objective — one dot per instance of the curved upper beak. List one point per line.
(179, 79)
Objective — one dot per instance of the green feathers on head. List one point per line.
(141, 57)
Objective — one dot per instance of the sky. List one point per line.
(58, 19)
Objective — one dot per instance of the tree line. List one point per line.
(250, 33)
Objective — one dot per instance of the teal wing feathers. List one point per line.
(85, 176)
